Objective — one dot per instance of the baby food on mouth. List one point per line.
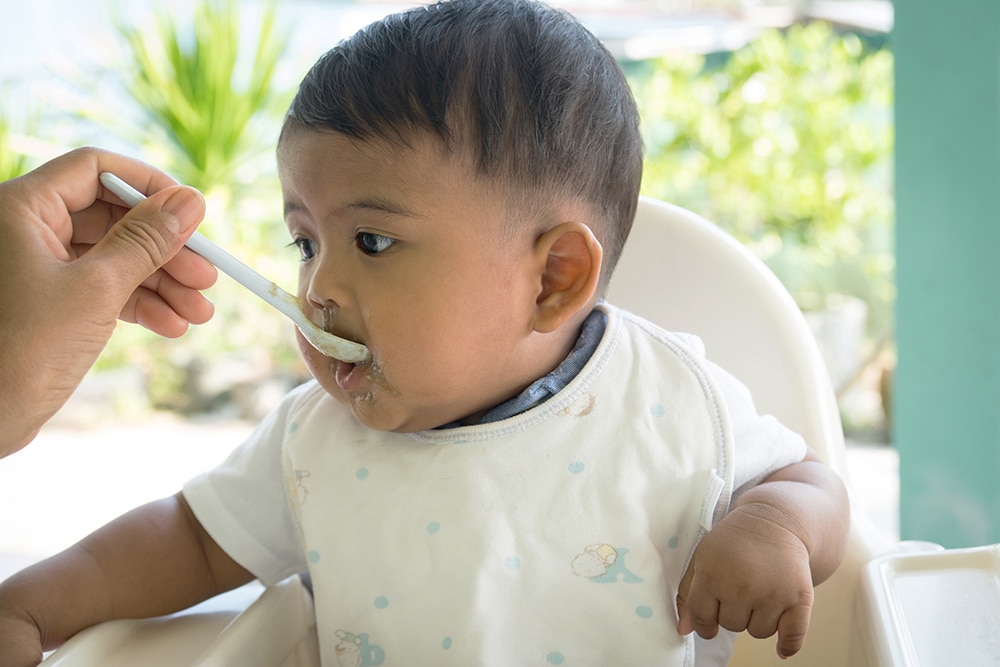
(353, 380)
(377, 378)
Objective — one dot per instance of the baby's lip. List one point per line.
(349, 376)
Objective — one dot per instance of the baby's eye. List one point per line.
(372, 244)
(307, 247)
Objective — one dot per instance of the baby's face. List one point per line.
(403, 249)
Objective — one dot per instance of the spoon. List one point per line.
(325, 342)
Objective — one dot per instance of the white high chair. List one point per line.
(685, 274)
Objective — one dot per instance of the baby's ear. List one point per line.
(572, 268)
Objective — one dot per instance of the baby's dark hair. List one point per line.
(523, 90)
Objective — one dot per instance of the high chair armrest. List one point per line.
(250, 626)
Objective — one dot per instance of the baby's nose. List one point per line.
(327, 287)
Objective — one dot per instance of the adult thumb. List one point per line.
(150, 234)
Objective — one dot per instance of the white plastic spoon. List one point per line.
(325, 342)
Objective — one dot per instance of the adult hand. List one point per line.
(74, 261)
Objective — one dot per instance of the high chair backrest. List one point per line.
(685, 274)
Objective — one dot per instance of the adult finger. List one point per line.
(186, 267)
(165, 306)
(146, 238)
(192, 270)
(71, 181)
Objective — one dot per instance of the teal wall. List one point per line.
(947, 385)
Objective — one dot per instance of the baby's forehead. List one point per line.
(449, 167)
(392, 142)
(419, 165)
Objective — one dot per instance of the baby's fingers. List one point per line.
(684, 626)
(792, 628)
(696, 613)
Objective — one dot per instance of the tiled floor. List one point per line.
(70, 482)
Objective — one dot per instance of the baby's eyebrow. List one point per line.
(375, 203)
(293, 207)
(384, 205)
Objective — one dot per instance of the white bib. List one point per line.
(558, 536)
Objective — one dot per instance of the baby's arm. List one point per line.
(155, 560)
(755, 570)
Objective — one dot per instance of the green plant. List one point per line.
(187, 81)
(209, 113)
(787, 145)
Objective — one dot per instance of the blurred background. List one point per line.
(773, 118)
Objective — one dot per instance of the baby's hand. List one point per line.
(749, 573)
(20, 643)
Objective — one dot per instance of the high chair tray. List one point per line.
(932, 608)
(252, 626)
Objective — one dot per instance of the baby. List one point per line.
(523, 473)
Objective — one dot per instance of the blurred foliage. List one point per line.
(14, 162)
(184, 77)
(210, 113)
(787, 144)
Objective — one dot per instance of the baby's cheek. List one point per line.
(318, 365)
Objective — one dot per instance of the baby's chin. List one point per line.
(373, 407)
(377, 404)
(380, 412)
(369, 413)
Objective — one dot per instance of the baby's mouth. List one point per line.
(348, 376)
(361, 380)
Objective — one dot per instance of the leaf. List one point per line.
(189, 84)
